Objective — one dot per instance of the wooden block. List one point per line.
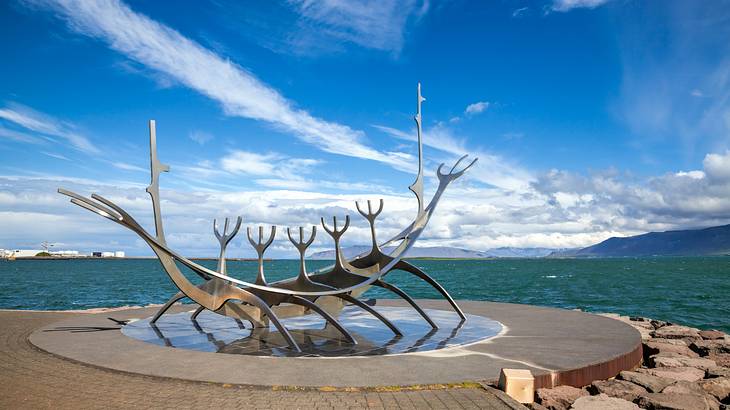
(518, 384)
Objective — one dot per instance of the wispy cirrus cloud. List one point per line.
(375, 24)
(492, 169)
(239, 91)
(38, 122)
(271, 164)
(567, 5)
(200, 137)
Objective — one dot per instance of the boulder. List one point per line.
(677, 332)
(708, 347)
(653, 347)
(676, 342)
(602, 402)
(712, 334)
(617, 388)
(677, 401)
(659, 323)
(722, 359)
(681, 361)
(646, 334)
(643, 325)
(684, 387)
(718, 371)
(536, 406)
(559, 398)
(653, 384)
(690, 374)
(718, 387)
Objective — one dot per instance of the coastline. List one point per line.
(683, 368)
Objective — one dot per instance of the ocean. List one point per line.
(689, 291)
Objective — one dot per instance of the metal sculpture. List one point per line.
(261, 302)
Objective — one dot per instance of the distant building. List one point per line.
(64, 253)
(25, 253)
(119, 254)
(96, 254)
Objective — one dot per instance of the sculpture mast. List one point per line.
(156, 167)
(417, 186)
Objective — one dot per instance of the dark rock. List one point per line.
(707, 347)
(659, 323)
(536, 406)
(718, 387)
(617, 388)
(676, 401)
(602, 402)
(690, 374)
(651, 383)
(712, 334)
(559, 398)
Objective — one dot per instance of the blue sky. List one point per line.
(591, 118)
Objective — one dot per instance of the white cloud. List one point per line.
(35, 121)
(560, 209)
(376, 24)
(491, 169)
(128, 167)
(200, 137)
(239, 91)
(268, 165)
(520, 11)
(55, 155)
(717, 166)
(20, 136)
(476, 108)
(567, 5)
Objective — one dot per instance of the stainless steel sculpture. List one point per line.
(324, 292)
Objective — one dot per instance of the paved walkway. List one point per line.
(30, 378)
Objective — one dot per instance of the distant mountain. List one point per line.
(510, 252)
(447, 252)
(695, 242)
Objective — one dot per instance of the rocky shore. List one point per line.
(684, 368)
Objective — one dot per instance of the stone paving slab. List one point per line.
(33, 379)
(558, 346)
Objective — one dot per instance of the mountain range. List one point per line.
(446, 252)
(691, 242)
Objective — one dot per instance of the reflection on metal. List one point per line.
(261, 302)
(215, 333)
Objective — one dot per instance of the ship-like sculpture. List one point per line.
(324, 292)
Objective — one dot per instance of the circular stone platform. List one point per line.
(210, 332)
(558, 346)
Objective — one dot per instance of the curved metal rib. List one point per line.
(404, 295)
(197, 312)
(256, 301)
(167, 305)
(372, 311)
(329, 318)
(407, 267)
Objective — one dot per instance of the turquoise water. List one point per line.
(691, 291)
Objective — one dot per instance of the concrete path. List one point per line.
(32, 379)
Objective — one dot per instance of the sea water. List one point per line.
(689, 291)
